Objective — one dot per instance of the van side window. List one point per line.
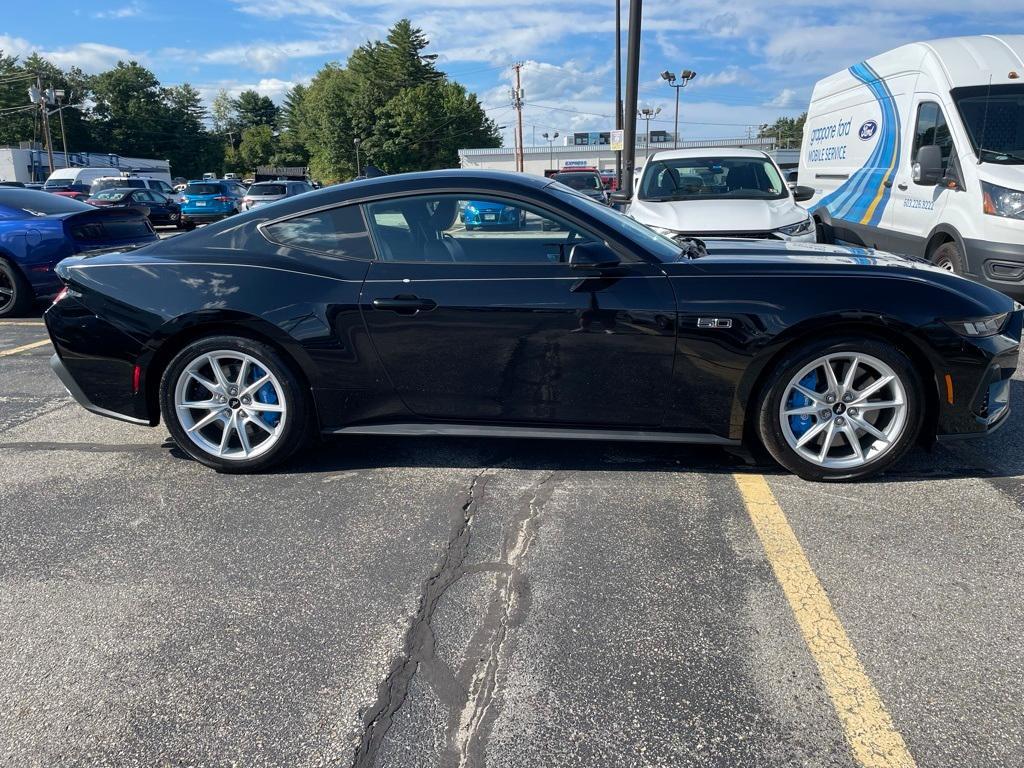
(932, 129)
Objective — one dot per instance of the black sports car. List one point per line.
(369, 308)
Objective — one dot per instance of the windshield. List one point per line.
(57, 183)
(204, 189)
(994, 118)
(581, 181)
(110, 194)
(661, 246)
(257, 190)
(38, 203)
(703, 178)
(101, 184)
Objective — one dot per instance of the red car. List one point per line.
(74, 191)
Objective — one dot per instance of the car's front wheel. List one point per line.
(234, 404)
(841, 409)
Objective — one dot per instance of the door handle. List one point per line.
(405, 305)
(902, 187)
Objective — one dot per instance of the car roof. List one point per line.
(702, 152)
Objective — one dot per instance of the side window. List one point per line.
(932, 129)
(336, 231)
(470, 229)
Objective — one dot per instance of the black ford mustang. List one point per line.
(369, 308)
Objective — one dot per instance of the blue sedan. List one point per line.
(479, 214)
(38, 229)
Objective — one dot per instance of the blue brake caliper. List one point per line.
(800, 424)
(266, 394)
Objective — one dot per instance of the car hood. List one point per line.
(742, 256)
(721, 215)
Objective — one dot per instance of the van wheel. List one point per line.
(15, 292)
(947, 256)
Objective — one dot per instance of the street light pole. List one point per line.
(551, 148)
(632, 86)
(684, 77)
(648, 114)
(359, 170)
(618, 88)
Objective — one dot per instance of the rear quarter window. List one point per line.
(336, 231)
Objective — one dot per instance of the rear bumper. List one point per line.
(204, 215)
(80, 397)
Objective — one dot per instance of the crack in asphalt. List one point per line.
(419, 639)
(470, 724)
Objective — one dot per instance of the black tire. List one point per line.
(23, 296)
(298, 428)
(948, 256)
(769, 427)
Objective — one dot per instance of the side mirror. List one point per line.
(928, 166)
(593, 256)
(802, 194)
(620, 196)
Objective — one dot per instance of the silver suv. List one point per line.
(264, 192)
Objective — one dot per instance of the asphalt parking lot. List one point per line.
(452, 602)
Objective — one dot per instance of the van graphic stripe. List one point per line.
(863, 197)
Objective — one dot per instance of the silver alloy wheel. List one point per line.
(230, 405)
(946, 264)
(843, 410)
(6, 291)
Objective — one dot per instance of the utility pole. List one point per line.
(59, 94)
(517, 103)
(632, 86)
(618, 88)
(39, 96)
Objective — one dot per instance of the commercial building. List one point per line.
(598, 153)
(29, 162)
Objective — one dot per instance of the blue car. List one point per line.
(479, 214)
(38, 229)
(205, 201)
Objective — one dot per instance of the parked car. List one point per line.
(74, 191)
(731, 193)
(265, 192)
(792, 178)
(490, 214)
(205, 201)
(587, 183)
(365, 308)
(137, 182)
(63, 177)
(158, 208)
(920, 150)
(38, 229)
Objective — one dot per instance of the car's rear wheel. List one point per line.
(234, 404)
(15, 292)
(841, 409)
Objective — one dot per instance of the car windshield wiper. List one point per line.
(1008, 155)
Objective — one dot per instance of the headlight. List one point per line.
(800, 228)
(1000, 201)
(977, 327)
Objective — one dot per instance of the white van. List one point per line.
(921, 151)
(65, 177)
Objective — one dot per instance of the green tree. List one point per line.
(250, 108)
(194, 150)
(291, 148)
(405, 113)
(257, 147)
(788, 131)
(129, 112)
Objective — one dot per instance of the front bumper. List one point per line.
(997, 265)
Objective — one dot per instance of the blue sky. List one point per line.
(756, 60)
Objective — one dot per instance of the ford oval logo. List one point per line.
(868, 130)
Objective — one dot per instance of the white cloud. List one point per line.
(89, 57)
(274, 87)
(787, 97)
(123, 12)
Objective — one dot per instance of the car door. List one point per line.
(495, 325)
(916, 208)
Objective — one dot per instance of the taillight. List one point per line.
(184, 198)
(222, 199)
(63, 294)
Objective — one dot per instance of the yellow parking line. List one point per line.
(23, 348)
(868, 728)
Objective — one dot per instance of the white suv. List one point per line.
(720, 193)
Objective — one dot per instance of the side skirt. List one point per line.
(551, 433)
